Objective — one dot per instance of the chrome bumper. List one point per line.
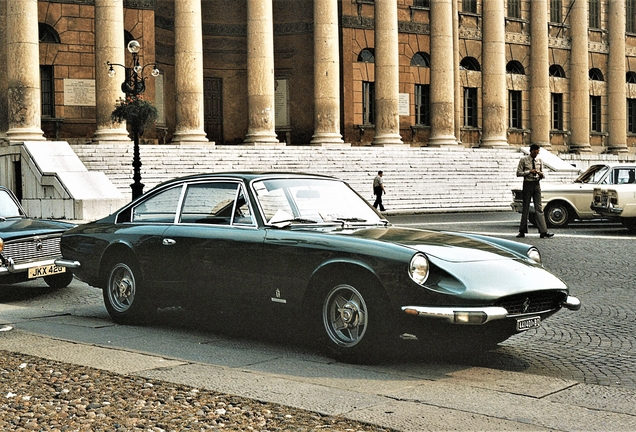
(474, 315)
(10, 267)
(603, 210)
(67, 263)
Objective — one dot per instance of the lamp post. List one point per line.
(134, 110)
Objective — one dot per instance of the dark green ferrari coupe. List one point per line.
(309, 247)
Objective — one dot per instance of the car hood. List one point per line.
(452, 247)
(12, 229)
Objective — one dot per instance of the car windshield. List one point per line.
(312, 201)
(593, 174)
(8, 207)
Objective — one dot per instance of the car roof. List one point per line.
(247, 176)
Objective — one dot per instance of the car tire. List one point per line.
(125, 297)
(355, 322)
(59, 281)
(630, 224)
(557, 215)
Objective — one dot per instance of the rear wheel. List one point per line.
(59, 281)
(355, 322)
(125, 298)
(557, 215)
(630, 224)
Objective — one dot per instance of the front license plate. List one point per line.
(46, 270)
(528, 323)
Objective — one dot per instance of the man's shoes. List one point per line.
(546, 235)
(521, 235)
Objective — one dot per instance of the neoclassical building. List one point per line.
(474, 73)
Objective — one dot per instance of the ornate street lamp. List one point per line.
(134, 110)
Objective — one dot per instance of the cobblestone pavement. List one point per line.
(595, 345)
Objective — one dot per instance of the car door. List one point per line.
(216, 242)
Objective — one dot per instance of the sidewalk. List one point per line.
(413, 398)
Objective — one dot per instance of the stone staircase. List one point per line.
(416, 178)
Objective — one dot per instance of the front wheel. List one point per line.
(557, 215)
(124, 298)
(356, 323)
(59, 281)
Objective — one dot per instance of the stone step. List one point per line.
(415, 178)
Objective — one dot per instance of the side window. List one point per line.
(623, 176)
(209, 203)
(161, 207)
(243, 213)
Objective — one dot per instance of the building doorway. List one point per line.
(213, 109)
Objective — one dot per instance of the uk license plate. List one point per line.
(528, 323)
(45, 270)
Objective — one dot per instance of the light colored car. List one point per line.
(563, 203)
(617, 202)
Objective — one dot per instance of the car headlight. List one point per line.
(534, 255)
(1, 245)
(418, 268)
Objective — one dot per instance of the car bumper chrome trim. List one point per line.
(11, 267)
(67, 263)
(491, 313)
(572, 303)
(607, 209)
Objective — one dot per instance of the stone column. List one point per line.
(494, 93)
(260, 73)
(188, 71)
(23, 71)
(442, 75)
(458, 82)
(326, 74)
(579, 79)
(4, 86)
(616, 86)
(109, 47)
(387, 74)
(540, 118)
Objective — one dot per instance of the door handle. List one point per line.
(169, 242)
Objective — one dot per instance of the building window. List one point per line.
(469, 63)
(514, 110)
(368, 103)
(46, 91)
(514, 8)
(422, 99)
(631, 116)
(47, 34)
(421, 59)
(556, 71)
(555, 11)
(422, 3)
(630, 77)
(594, 12)
(595, 74)
(630, 16)
(557, 111)
(469, 6)
(470, 106)
(595, 113)
(367, 55)
(515, 67)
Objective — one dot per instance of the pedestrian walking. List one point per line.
(378, 191)
(531, 169)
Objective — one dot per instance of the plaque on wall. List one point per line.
(79, 92)
(403, 104)
(281, 103)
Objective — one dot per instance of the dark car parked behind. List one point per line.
(29, 247)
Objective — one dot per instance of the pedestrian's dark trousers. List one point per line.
(377, 191)
(532, 191)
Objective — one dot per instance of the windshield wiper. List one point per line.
(288, 222)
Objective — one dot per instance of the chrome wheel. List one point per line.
(121, 288)
(557, 215)
(345, 316)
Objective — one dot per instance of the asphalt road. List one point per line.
(595, 345)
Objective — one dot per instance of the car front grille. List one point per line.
(533, 302)
(32, 249)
